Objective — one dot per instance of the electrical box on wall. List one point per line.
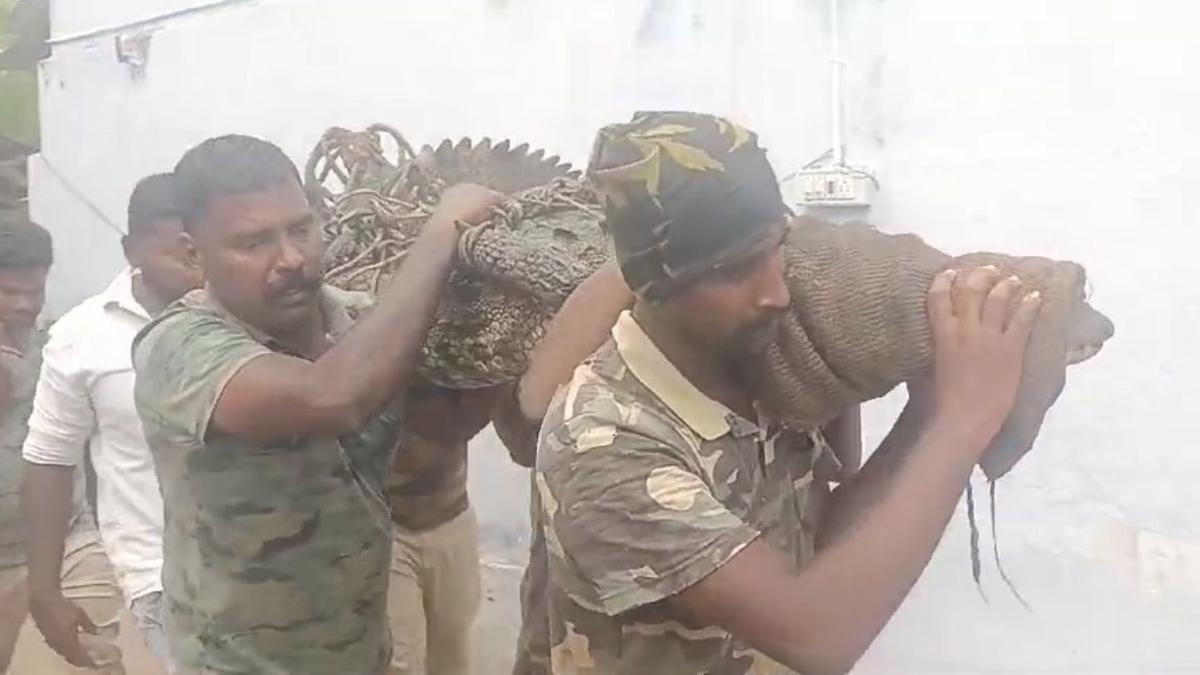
(835, 186)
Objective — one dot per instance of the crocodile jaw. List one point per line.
(1088, 332)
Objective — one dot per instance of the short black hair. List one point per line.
(152, 201)
(228, 165)
(23, 243)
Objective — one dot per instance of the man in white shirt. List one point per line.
(85, 399)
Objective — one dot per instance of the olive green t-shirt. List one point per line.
(276, 556)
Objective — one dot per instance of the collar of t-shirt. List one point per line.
(709, 418)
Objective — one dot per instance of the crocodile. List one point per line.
(858, 327)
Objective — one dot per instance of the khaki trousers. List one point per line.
(434, 596)
(88, 581)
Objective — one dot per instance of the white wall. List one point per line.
(1064, 128)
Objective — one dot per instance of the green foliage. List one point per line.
(18, 93)
(5, 9)
(19, 106)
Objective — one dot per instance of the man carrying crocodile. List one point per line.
(435, 587)
(272, 422)
(688, 532)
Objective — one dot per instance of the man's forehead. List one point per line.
(751, 250)
(32, 275)
(282, 203)
(164, 226)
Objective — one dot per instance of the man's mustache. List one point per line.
(298, 282)
(768, 323)
(758, 334)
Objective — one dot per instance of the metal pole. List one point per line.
(835, 85)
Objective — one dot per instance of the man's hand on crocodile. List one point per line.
(466, 203)
(979, 336)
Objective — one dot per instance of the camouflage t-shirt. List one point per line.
(647, 486)
(276, 556)
(14, 426)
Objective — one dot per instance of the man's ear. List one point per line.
(187, 250)
(189, 258)
(127, 249)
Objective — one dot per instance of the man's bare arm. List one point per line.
(864, 489)
(46, 492)
(823, 618)
(580, 327)
(276, 397)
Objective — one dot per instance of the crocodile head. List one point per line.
(1070, 331)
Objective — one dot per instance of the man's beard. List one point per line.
(752, 340)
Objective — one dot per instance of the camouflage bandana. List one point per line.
(683, 194)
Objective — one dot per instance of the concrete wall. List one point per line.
(1064, 128)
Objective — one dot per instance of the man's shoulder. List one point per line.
(79, 337)
(195, 304)
(603, 380)
(70, 324)
(603, 374)
(605, 405)
(183, 358)
(187, 322)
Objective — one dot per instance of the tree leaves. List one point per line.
(18, 92)
(18, 106)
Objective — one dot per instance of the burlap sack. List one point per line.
(859, 327)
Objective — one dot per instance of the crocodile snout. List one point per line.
(1090, 329)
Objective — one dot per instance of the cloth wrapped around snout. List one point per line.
(859, 327)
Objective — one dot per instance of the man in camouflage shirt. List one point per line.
(686, 531)
(272, 422)
(580, 326)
